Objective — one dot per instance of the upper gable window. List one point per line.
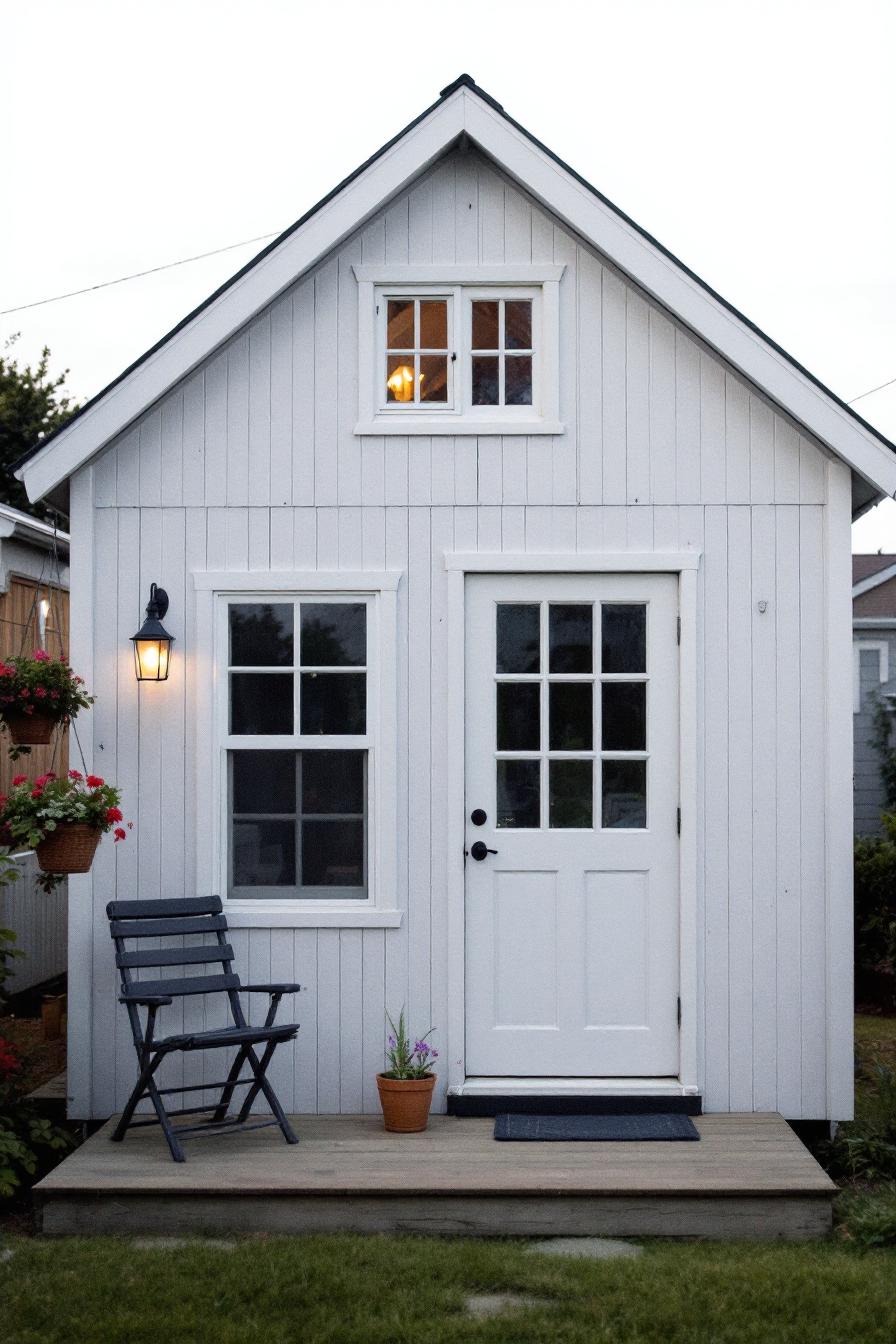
(472, 357)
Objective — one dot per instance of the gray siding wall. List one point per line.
(251, 464)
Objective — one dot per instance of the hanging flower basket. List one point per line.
(69, 849)
(62, 820)
(36, 694)
(30, 730)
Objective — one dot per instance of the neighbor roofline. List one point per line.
(874, 580)
(877, 467)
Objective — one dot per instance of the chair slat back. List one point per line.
(172, 919)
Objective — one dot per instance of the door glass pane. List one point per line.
(433, 377)
(261, 634)
(334, 702)
(433, 324)
(333, 853)
(518, 794)
(518, 324)
(332, 782)
(624, 716)
(571, 716)
(264, 781)
(400, 378)
(400, 324)
(485, 380)
(519, 727)
(485, 324)
(625, 794)
(264, 853)
(624, 638)
(334, 634)
(517, 637)
(571, 794)
(518, 380)
(570, 637)
(261, 702)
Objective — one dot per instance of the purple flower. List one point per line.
(392, 1042)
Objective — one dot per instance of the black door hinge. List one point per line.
(678, 820)
(678, 1010)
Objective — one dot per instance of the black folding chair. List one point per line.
(176, 918)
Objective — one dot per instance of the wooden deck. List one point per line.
(748, 1177)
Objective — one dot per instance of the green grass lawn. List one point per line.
(379, 1290)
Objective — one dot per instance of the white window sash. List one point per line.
(213, 740)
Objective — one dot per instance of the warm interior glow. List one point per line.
(152, 659)
(401, 383)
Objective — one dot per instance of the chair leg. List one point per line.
(230, 1086)
(168, 1130)
(140, 1090)
(261, 1084)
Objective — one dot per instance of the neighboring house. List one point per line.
(509, 570)
(33, 614)
(874, 677)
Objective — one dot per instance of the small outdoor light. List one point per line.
(152, 642)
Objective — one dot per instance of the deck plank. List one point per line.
(748, 1172)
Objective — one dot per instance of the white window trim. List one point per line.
(860, 646)
(542, 283)
(378, 909)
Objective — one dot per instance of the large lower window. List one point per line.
(297, 746)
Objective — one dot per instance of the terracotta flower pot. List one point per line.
(30, 730)
(405, 1102)
(68, 849)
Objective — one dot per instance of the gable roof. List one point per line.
(464, 111)
(882, 573)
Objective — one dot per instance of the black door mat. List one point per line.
(595, 1128)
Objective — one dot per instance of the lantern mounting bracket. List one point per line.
(157, 606)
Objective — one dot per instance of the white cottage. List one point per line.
(509, 570)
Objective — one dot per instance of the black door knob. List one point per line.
(478, 817)
(479, 849)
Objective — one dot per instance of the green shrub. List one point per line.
(875, 901)
(865, 1148)
(869, 1219)
(26, 1138)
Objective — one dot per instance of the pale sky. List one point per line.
(756, 141)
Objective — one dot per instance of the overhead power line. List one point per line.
(880, 387)
(153, 270)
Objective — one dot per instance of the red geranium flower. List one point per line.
(95, 782)
(37, 793)
(41, 656)
(19, 779)
(120, 834)
(75, 774)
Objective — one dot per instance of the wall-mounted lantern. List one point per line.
(152, 642)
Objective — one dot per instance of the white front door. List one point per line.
(571, 751)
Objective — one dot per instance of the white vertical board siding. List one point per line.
(252, 465)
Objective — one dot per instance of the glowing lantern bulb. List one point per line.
(401, 382)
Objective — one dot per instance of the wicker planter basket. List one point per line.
(30, 730)
(69, 849)
(405, 1102)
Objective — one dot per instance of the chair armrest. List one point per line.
(270, 989)
(147, 1000)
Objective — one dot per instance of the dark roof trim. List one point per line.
(465, 81)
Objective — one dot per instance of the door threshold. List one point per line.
(573, 1096)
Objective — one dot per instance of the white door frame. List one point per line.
(685, 564)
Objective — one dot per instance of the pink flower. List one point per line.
(120, 834)
(41, 656)
(75, 774)
(24, 693)
(40, 692)
(54, 695)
